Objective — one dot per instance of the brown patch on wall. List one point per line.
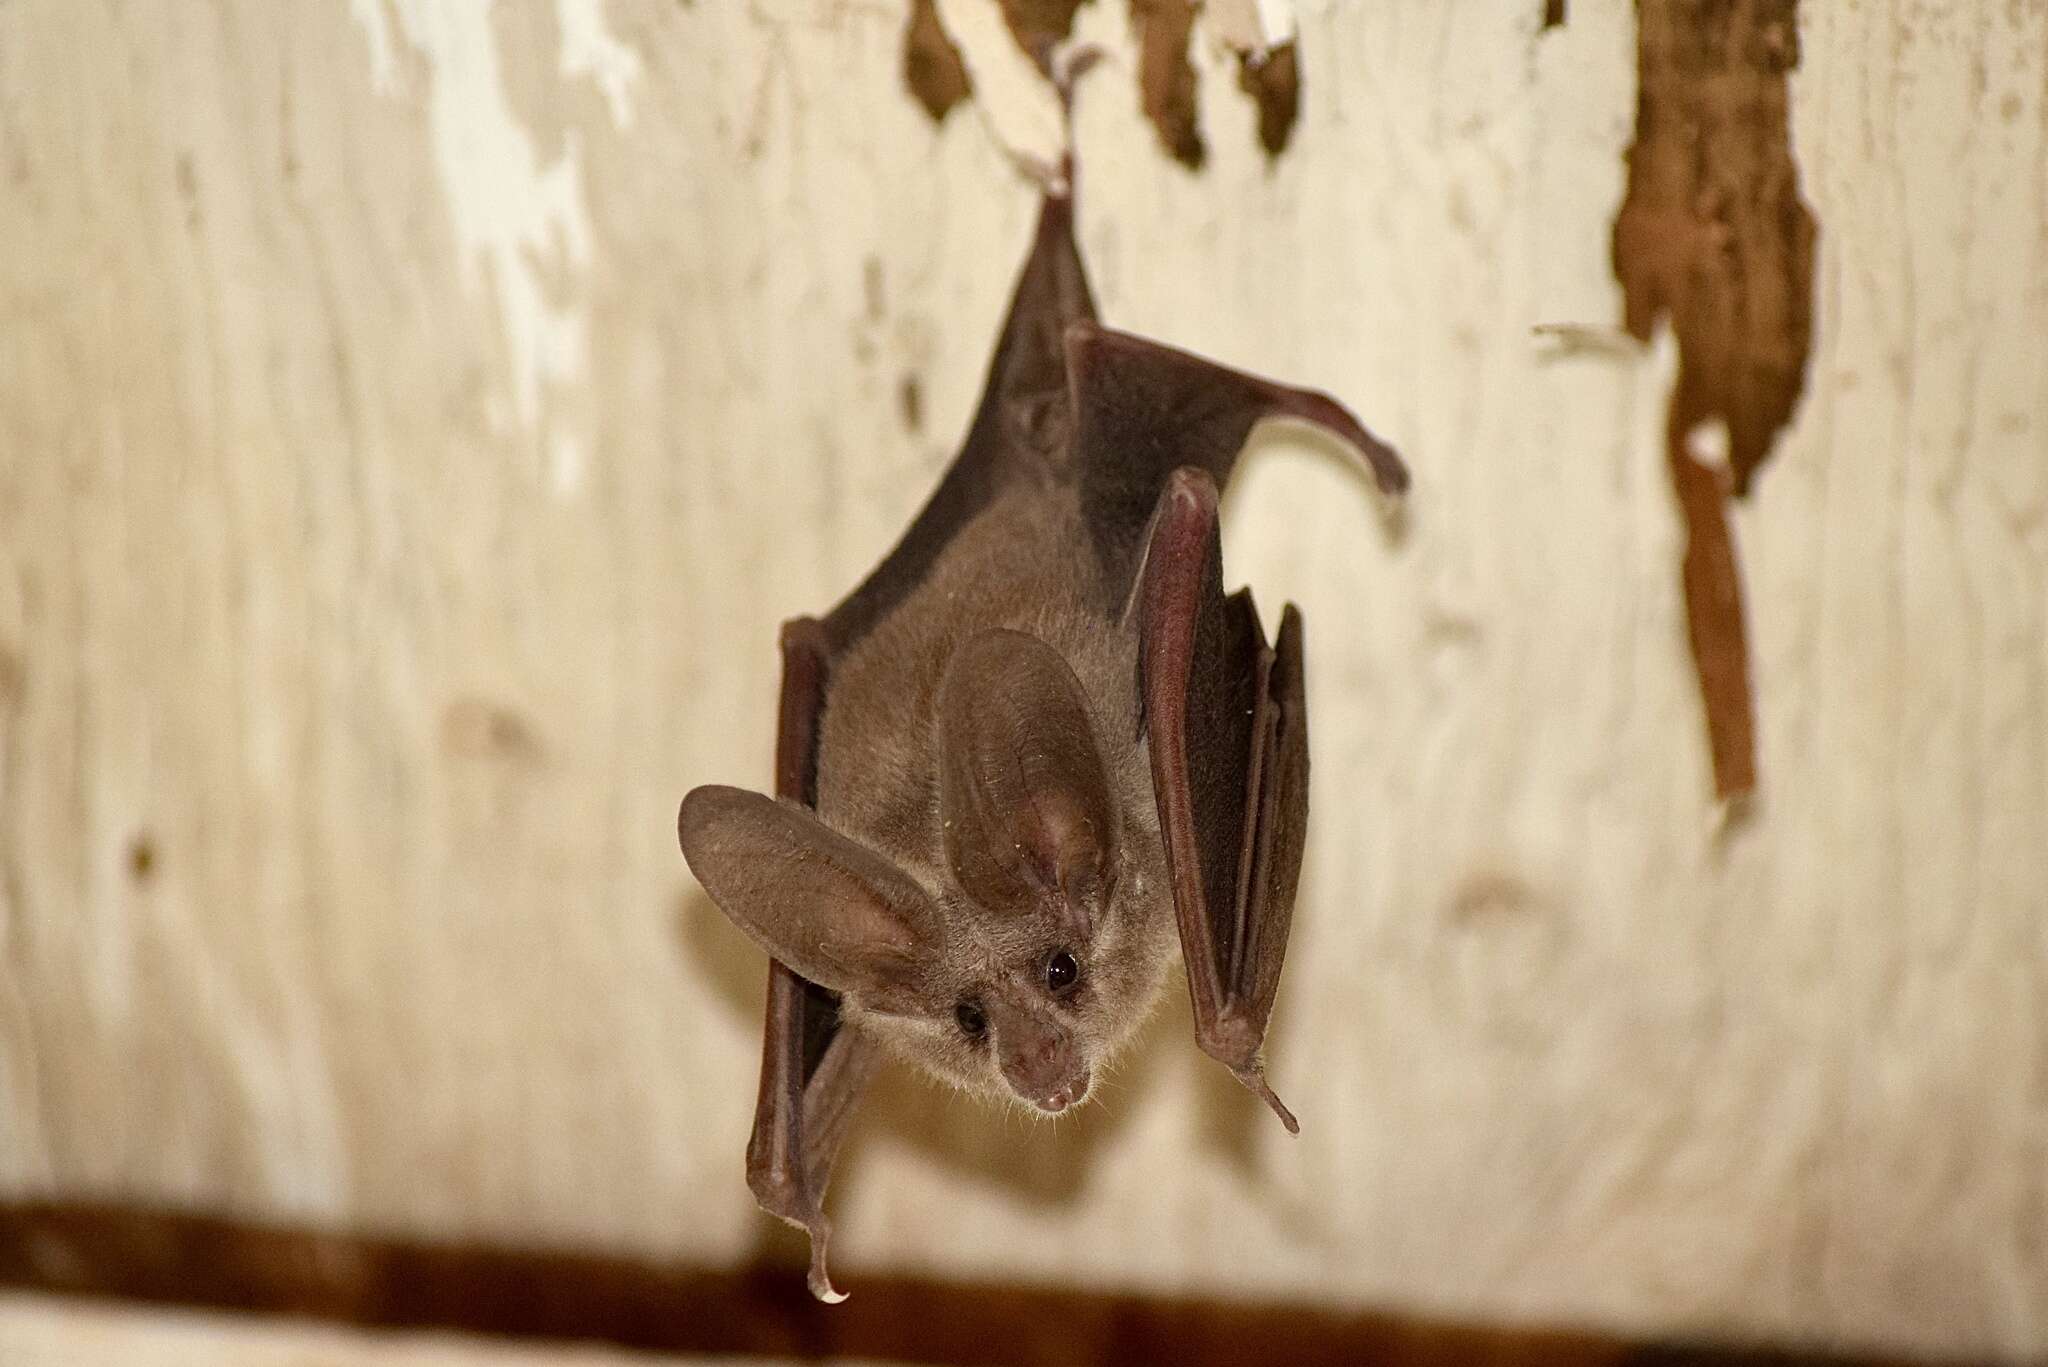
(142, 857)
(480, 728)
(1166, 79)
(910, 403)
(1713, 234)
(195, 1260)
(1273, 80)
(932, 65)
(1553, 14)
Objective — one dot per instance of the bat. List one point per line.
(1036, 748)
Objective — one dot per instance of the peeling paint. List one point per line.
(1040, 26)
(948, 57)
(590, 49)
(1713, 234)
(932, 65)
(1010, 91)
(1250, 28)
(370, 16)
(517, 222)
(1166, 78)
(1260, 33)
(1273, 80)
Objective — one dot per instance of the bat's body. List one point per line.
(1005, 587)
(1036, 749)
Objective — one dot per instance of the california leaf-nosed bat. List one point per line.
(1034, 748)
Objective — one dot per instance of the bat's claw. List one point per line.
(1309, 406)
(1255, 1079)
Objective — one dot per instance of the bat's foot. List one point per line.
(793, 1206)
(1255, 1079)
(819, 1280)
(1055, 180)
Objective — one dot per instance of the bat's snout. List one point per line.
(1050, 1077)
(1069, 1094)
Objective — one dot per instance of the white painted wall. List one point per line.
(415, 418)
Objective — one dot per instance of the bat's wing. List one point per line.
(1020, 431)
(1144, 410)
(812, 1072)
(1228, 734)
(1157, 431)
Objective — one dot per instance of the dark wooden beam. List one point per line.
(190, 1260)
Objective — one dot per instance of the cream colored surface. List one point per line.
(413, 427)
(47, 1332)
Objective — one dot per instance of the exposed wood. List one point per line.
(1040, 26)
(932, 67)
(1273, 80)
(1166, 78)
(1714, 237)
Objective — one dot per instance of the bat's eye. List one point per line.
(973, 1023)
(1061, 972)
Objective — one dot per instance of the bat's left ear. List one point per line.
(1023, 792)
(833, 910)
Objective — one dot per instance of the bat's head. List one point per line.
(1026, 946)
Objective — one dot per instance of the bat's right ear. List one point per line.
(830, 908)
(1023, 792)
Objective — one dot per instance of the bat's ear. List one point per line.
(1022, 789)
(830, 908)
